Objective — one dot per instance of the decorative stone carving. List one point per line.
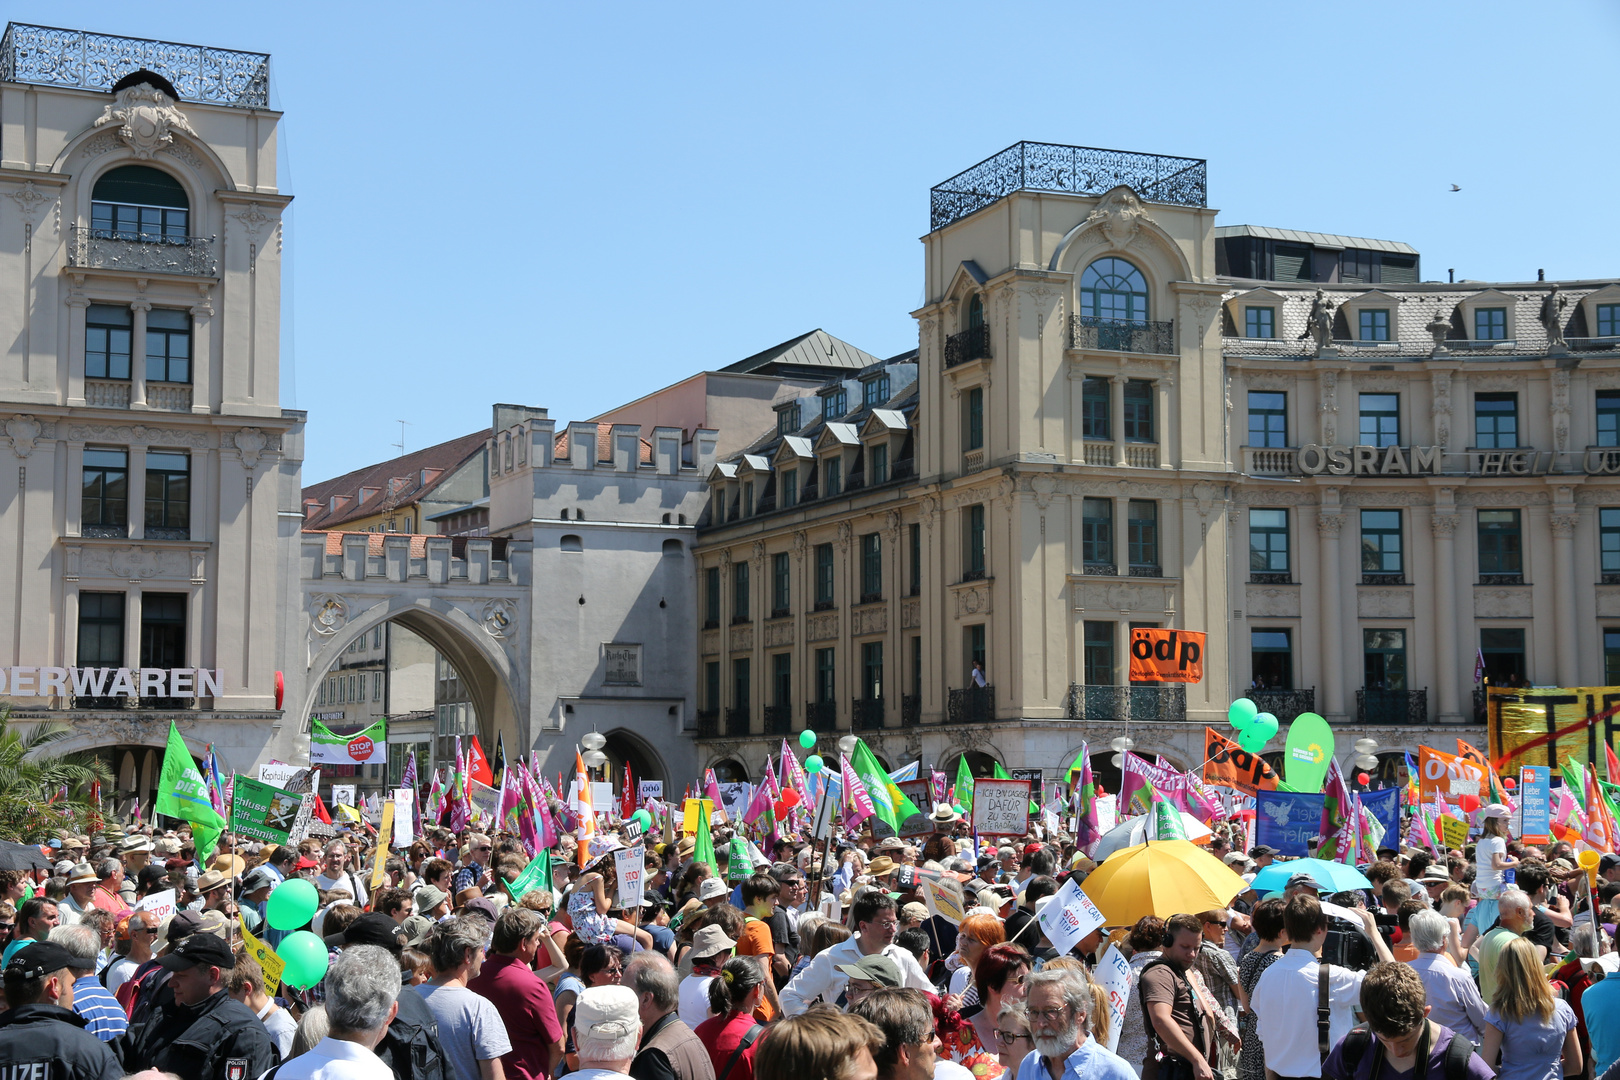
(929, 510)
(1203, 494)
(147, 119)
(971, 599)
(822, 627)
(1122, 596)
(1440, 407)
(1437, 328)
(778, 632)
(1388, 384)
(872, 619)
(1503, 497)
(1043, 485)
(801, 544)
(1120, 214)
(1384, 602)
(969, 737)
(1502, 602)
(709, 642)
(23, 430)
(133, 563)
(250, 443)
(1291, 496)
(1328, 525)
(1372, 497)
(1328, 407)
(253, 219)
(910, 614)
(328, 612)
(1273, 602)
(1563, 525)
(891, 526)
(1203, 306)
(31, 202)
(1551, 317)
(498, 617)
(725, 558)
(742, 639)
(1319, 325)
(98, 145)
(181, 152)
(137, 435)
(845, 532)
(759, 551)
(1560, 407)
(1444, 526)
(1499, 382)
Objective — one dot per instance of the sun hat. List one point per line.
(83, 875)
(711, 940)
(211, 881)
(875, 968)
(429, 897)
(711, 889)
(880, 866)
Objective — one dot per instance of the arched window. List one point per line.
(673, 548)
(572, 543)
(1113, 289)
(138, 202)
(975, 313)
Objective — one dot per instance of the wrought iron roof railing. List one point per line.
(1079, 170)
(52, 56)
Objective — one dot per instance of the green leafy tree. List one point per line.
(32, 777)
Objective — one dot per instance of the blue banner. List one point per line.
(1385, 805)
(1288, 821)
(1535, 798)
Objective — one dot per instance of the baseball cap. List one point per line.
(38, 960)
(1303, 879)
(1495, 810)
(875, 968)
(198, 949)
(182, 924)
(914, 910)
(1260, 851)
(372, 928)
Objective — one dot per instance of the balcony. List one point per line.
(1145, 570)
(866, 714)
(904, 469)
(1122, 335)
(1285, 705)
(821, 716)
(1270, 577)
(1392, 706)
(1383, 578)
(779, 719)
(971, 705)
(168, 397)
(973, 460)
(1271, 460)
(708, 723)
(98, 249)
(737, 721)
(1099, 453)
(1100, 569)
(1078, 170)
(107, 393)
(48, 56)
(1141, 455)
(970, 345)
(975, 574)
(1143, 703)
(910, 710)
(1502, 579)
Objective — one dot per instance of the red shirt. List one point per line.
(524, 1002)
(721, 1035)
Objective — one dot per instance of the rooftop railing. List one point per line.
(51, 56)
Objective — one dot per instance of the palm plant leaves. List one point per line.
(32, 776)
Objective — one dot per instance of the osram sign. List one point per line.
(111, 682)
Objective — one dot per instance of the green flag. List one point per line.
(704, 851)
(1000, 773)
(261, 811)
(1574, 780)
(182, 794)
(892, 806)
(1164, 820)
(537, 875)
(964, 783)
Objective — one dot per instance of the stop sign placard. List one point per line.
(360, 748)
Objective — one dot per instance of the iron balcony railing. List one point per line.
(51, 56)
(1285, 705)
(971, 705)
(1121, 335)
(971, 344)
(102, 249)
(821, 716)
(866, 714)
(779, 719)
(737, 721)
(1392, 706)
(708, 723)
(1502, 579)
(1149, 704)
(1270, 577)
(1078, 170)
(910, 710)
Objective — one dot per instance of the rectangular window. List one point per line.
(1611, 656)
(1271, 659)
(1268, 418)
(834, 477)
(1374, 324)
(1384, 659)
(1502, 649)
(1095, 409)
(163, 635)
(168, 345)
(916, 667)
(125, 221)
(782, 679)
(1608, 325)
(1608, 417)
(1490, 324)
(1097, 533)
(781, 582)
(826, 684)
(739, 592)
(377, 638)
(1496, 421)
(1609, 546)
(741, 683)
(107, 329)
(974, 540)
(748, 498)
(834, 404)
(1501, 548)
(874, 392)
(101, 629)
(1139, 410)
(877, 464)
(973, 419)
(914, 536)
(787, 419)
(377, 686)
(711, 598)
(1380, 419)
(790, 488)
(168, 495)
(824, 576)
(871, 567)
(1268, 542)
(106, 488)
(1099, 653)
(711, 683)
(1381, 542)
(1259, 322)
(1142, 534)
(973, 639)
(871, 670)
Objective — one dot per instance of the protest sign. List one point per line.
(689, 814)
(293, 778)
(1385, 806)
(631, 864)
(1288, 821)
(648, 789)
(919, 792)
(1113, 974)
(160, 904)
(261, 812)
(1032, 775)
(344, 794)
(1174, 656)
(1449, 775)
(1229, 765)
(486, 803)
(734, 799)
(944, 899)
(1453, 832)
(1535, 799)
(602, 800)
(1068, 917)
(1000, 807)
(821, 828)
(404, 815)
(269, 962)
(368, 747)
(384, 831)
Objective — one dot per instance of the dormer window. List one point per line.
(1374, 324)
(834, 404)
(787, 418)
(1260, 322)
(789, 480)
(875, 391)
(877, 464)
(1608, 320)
(748, 499)
(832, 477)
(138, 202)
(1490, 324)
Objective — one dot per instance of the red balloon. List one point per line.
(1510, 783)
(790, 798)
(1361, 778)
(781, 809)
(1469, 803)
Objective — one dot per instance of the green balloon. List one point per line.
(1241, 712)
(807, 739)
(1253, 739)
(1265, 722)
(292, 904)
(813, 764)
(642, 818)
(305, 956)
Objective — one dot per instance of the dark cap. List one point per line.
(372, 928)
(184, 923)
(38, 960)
(481, 905)
(198, 949)
(1261, 850)
(1608, 862)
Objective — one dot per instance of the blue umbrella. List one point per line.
(1331, 877)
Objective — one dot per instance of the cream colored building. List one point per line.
(149, 488)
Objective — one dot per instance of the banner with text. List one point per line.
(369, 747)
(261, 812)
(1288, 821)
(1519, 723)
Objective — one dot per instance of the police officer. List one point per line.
(205, 1034)
(41, 1038)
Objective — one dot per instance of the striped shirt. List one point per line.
(103, 1016)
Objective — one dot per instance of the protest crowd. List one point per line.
(844, 924)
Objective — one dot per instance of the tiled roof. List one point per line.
(441, 461)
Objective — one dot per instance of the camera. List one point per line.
(1347, 947)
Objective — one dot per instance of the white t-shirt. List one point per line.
(119, 973)
(347, 880)
(1488, 882)
(694, 1007)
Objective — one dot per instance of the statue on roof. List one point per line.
(1552, 319)
(1319, 323)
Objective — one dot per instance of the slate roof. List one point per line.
(1321, 240)
(811, 353)
(446, 457)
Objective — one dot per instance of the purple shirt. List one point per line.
(1334, 1067)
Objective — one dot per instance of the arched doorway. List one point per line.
(624, 747)
(729, 771)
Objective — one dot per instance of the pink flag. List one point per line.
(857, 801)
(460, 804)
(711, 791)
(760, 805)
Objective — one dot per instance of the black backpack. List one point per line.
(1360, 1040)
(411, 1046)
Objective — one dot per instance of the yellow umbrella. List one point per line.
(1163, 878)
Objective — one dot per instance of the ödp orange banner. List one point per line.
(1228, 764)
(1440, 773)
(1167, 655)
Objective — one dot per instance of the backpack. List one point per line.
(1360, 1040)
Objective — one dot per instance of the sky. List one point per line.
(573, 205)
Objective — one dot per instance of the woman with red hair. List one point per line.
(976, 934)
(998, 978)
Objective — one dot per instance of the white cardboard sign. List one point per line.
(1001, 807)
(1113, 974)
(1068, 917)
(631, 864)
(160, 904)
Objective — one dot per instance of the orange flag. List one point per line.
(587, 813)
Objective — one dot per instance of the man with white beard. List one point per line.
(1059, 1006)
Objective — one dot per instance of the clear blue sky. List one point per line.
(572, 205)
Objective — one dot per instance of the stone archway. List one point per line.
(626, 747)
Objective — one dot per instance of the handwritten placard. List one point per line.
(631, 863)
(1068, 917)
(1001, 807)
(1113, 974)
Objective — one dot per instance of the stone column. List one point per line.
(1444, 528)
(1116, 414)
(77, 303)
(137, 356)
(132, 627)
(1122, 536)
(1328, 524)
(136, 504)
(1563, 531)
(202, 358)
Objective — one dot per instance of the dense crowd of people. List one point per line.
(815, 962)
